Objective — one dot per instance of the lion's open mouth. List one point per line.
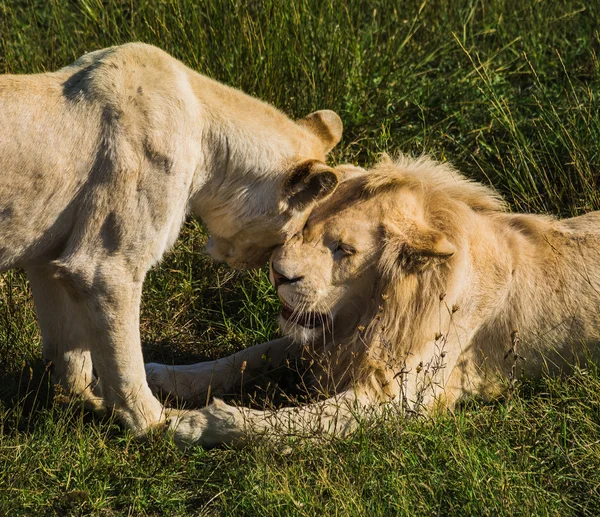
(308, 320)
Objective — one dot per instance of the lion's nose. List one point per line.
(281, 279)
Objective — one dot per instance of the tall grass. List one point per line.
(507, 91)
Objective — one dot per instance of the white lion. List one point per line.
(101, 162)
(410, 284)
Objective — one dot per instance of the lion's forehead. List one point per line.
(357, 225)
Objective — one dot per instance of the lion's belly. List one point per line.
(33, 224)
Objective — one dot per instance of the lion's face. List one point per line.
(327, 273)
(280, 211)
(252, 245)
(268, 200)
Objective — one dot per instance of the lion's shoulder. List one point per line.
(121, 75)
(123, 56)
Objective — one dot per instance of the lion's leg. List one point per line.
(117, 357)
(335, 417)
(429, 380)
(195, 382)
(426, 386)
(222, 423)
(105, 303)
(64, 345)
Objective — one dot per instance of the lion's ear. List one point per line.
(348, 171)
(428, 242)
(418, 248)
(326, 125)
(307, 183)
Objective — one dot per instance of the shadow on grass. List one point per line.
(26, 393)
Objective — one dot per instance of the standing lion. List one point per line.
(101, 162)
(413, 285)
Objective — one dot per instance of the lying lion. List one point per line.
(101, 162)
(411, 284)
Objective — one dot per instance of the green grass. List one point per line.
(507, 91)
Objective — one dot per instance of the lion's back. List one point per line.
(587, 224)
(61, 129)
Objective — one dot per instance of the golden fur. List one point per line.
(423, 290)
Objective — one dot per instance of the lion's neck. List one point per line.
(246, 145)
(500, 265)
(518, 250)
(446, 308)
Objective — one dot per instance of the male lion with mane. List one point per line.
(411, 284)
(101, 162)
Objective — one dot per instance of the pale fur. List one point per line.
(101, 162)
(447, 296)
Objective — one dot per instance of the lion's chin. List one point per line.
(309, 320)
(298, 333)
(303, 327)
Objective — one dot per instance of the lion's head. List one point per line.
(248, 242)
(383, 233)
(249, 220)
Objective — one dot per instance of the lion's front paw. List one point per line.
(187, 428)
(157, 377)
(216, 424)
(189, 383)
(90, 395)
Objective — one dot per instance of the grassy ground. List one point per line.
(508, 91)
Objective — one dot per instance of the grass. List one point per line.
(507, 91)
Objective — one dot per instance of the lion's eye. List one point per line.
(344, 249)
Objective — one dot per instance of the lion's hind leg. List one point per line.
(64, 344)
